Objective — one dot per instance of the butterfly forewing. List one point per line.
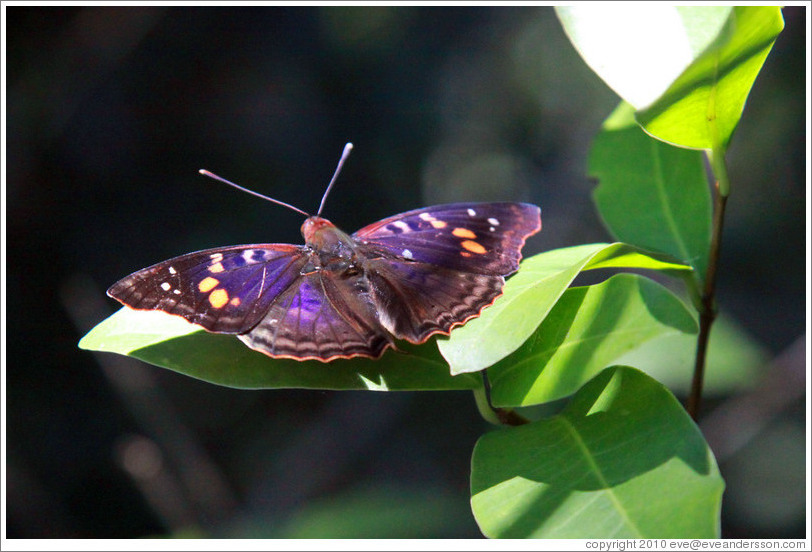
(484, 238)
(225, 290)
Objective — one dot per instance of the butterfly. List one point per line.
(409, 276)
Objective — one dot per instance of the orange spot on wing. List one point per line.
(473, 247)
(235, 302)
(438, 223)
(218, 298)
(463, 233)
(207, 283)
(216, 267)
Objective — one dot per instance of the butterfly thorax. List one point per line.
(330, 248)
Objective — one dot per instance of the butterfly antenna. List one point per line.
(246, 190)
(344, 155)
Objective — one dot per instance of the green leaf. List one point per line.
(529, 296)
(623, 460)
(651, 194)
(587, 329)
(171, 342)
(702, 108)
(688, 69)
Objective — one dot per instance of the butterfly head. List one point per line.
(313, 226)
(322, 235)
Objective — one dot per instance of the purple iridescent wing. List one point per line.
(225, 290)
(484, 238)
(434, 268)
(322, 318)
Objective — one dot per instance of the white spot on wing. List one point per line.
(176, 291)
(426, 216)
(471, 213)
(172, 270)
(493, 221)
(402, 225)
(165, 286)
(407, 254)
(492, 229)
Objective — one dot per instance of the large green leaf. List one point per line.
(687, 69)
(529, 296)
(171, 342)
(623, 460)
(703, 106)
(652, 194)
(587, 329)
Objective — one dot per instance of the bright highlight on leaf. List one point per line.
(639, 50)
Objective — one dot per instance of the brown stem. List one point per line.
(708, 301)
(510, 417)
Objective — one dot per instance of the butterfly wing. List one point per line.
(484, 238)
(225, 290)
(322, 318)
(434, 268)
(416, 300)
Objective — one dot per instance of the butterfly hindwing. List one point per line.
(484, 238)
(416, 300)
(321, 318)
(225, 290)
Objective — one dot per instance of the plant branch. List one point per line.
(707, 312)
(496, 416)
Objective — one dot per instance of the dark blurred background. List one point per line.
(111, 112)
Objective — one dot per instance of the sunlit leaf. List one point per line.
(623, 460)
(588, 328)
(687, 69)
(529, 296)
(639, 50)
(171, 342)
(703, 106)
